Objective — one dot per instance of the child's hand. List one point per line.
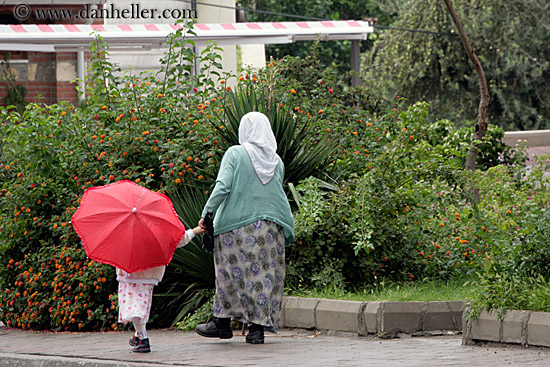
(199, 230)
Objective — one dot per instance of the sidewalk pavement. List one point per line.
(291, 347)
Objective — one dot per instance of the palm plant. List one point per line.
(189, 279)
(301, 159)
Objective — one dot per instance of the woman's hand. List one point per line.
(201, 224)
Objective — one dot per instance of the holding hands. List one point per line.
(199, 229)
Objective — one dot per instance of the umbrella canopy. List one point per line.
(128, 226)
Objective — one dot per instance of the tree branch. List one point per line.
(481, 124)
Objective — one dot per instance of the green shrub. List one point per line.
(150, 129)
(59, 289)
(516, 277)
(358, 229)
(505, 291)
(201, 315)
(392, 201)
(301, 158)
(407, 214)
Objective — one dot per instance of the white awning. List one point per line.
(74, 37)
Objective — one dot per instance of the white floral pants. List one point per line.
(134, 301)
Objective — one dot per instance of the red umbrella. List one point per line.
(128, 226)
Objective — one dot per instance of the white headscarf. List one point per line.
(256, 136)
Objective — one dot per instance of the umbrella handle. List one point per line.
(208, 237)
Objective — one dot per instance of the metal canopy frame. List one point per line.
(76, 37)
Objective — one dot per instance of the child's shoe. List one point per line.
(143, 346)
(134, 341)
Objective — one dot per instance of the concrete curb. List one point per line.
(366, 318)
(527, 328)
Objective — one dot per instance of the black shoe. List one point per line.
(143, 346)
(255, 334)
(210, 330)
(134, 341)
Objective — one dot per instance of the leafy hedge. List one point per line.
(405, 211)
(390, 198)
(153, 129)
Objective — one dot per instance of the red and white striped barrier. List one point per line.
(229, 33)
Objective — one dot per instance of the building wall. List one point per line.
(46, 76)
(212, 14)
(149, 60)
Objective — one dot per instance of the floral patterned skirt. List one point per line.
(134, 301)
(250, 272)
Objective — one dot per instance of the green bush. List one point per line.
(404, 212)
(59, 289)
(357, 230)
(150, 129)
(301, 158)
(157, 129)
(391, 201)
(516, 277)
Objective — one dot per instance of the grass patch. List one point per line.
(427, 290)
(512, 292)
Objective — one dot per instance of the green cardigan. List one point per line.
(239, 197)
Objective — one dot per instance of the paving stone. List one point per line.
(372, 318)
(282, 321)
(291, 347)
(442, 316)
(457, 308)
(514, 327)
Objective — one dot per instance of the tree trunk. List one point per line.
(481, 124)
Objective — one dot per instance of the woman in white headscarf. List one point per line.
(252, 224)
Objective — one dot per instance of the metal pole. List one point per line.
(80, 74)
(355, 63)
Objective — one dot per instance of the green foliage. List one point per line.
(199, 316)
(59, 289)
(425, 290)
(156, 129)
(492, 151)
(190, 276)
(390, 202)
(300, 158)
(504, 291)
(402, 210)
(517, 275)
(333, 53)
(508, 39)
(151, 128)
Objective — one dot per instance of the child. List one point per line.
(135, 293)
